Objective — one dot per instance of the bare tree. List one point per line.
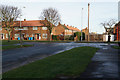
(52, 18)
(9, 15)
(109, 27)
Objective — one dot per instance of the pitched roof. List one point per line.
(118, 24)
(29, 23)
(70, 27)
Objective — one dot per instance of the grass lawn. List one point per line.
(69, 63)
(116, 47)
(14, 46)
(5, 42)
(48, 41)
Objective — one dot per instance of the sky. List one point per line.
(70, 11)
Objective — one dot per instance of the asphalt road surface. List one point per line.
(17, 57)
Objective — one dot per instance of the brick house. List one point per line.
(31, 30)
(117, 31)
(86, 33)
(64, 30)
(96, 37)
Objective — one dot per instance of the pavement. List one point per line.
(104, 63)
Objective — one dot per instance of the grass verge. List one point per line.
(116, 47)
(14, 46)
(69, 63)
(5, 42)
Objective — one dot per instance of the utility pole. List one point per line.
(81, 22)
(88, 20)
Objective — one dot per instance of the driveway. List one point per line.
(17, 57)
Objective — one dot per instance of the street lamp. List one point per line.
(81, 22)
(1, 22)
(88, 20)
(21, 31)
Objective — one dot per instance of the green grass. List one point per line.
(57, 41)
(97, 42)
(69, 63)
(14, 46)
(116, 47)
(5, 42)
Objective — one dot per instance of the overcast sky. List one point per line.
(70, 11)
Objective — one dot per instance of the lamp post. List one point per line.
(81, 22)
(1, 24)
(88, 20)
(21, 31)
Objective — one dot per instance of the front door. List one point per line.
(23, 36)
(37, 36)
(2, 36)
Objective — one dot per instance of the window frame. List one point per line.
(35, 28)
(25, 27)
(44, 35)
(44, 28)
(16, 35)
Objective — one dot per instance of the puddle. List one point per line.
(104, 48)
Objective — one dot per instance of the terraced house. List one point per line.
(36, 30)
(64, 30)
(31, 30)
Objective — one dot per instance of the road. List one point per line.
(17, 57)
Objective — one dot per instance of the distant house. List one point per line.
(105, 35)
(86, 33)
(117, 31)
(95, 36)
(64, 30)
(31, 30)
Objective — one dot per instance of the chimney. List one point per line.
(67, 25)
(64, 24)
(45, 18)
(59, 23)
(24, 19)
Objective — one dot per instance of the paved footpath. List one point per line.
(105, 65)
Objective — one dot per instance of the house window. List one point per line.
(45, 36)
(27, 35)
(70, 30)
(35, 28)
(16, 35)
(0, 28)
(66, 30)
(2, 36)
(33, 35)
(6, 35)
(16, 28)
(44, 28)
(25, 28)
